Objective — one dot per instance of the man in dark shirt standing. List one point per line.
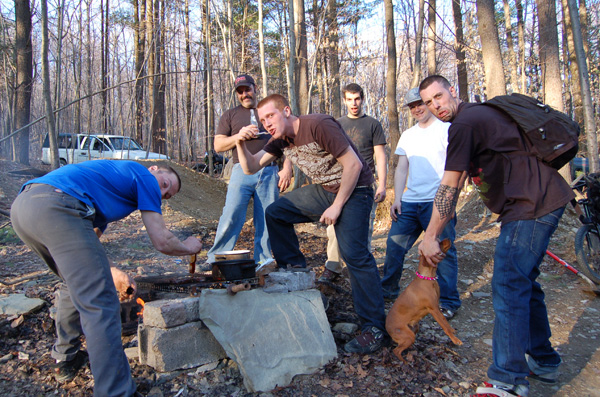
(341, 195)
(530, 197)
(262, 186)
(368, 136)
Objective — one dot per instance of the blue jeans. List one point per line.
(521, 326)
(352, 228)
(262, 187)
(413, 220)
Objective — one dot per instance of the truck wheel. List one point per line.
(62, 162)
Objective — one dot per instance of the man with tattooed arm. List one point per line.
(530, 198)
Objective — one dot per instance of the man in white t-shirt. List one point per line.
(422, 156)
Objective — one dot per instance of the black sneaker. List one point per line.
(369, 341)
(67, 370)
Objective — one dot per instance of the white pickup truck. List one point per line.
(76, 148)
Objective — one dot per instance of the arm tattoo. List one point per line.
(445, 200)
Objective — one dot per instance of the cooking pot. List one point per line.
(232, 255)
(235, 269)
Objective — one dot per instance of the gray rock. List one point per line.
(186, 346)
(345, 328)
(6, 358)
(271, 337)
(18, 304)
(170, 313)
(155, 392)
(284, 281)
(132, 352)
(206, 367)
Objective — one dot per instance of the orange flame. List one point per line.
(141, 302)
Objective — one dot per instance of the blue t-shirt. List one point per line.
(115, 188)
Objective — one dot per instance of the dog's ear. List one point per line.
(445, 245)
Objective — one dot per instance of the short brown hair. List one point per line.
(170, 170)
(434, 78)
(353, 88)
(278, 100)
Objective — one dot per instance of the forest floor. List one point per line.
(434, 365)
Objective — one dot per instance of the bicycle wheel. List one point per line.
(587, 248)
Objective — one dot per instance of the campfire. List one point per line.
(174, 286)
(140, 302)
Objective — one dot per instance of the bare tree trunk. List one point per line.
(292, 60)
(77, 71)
(242, 55)
(521, 32)
(9, 78)
(461, 62)
(90, 65)
(550, 61)
(334, 60)
(205, 33)
(50, 121)
(24, 67)
(534, 84)
(574, 82)
(319, 52)
(261, 42)
(230, 38)
(210, 115)
(431, 39)
(227, 40)
(159, 119)
(302, 58)
(416, 78)
(390, 80)
(588, 110)
(190, 155)
(584, 22)
(151, 68)
(104, 72)
(58, 69)
(490, 47)
(549, 54)
(512, 56)
(140, 31)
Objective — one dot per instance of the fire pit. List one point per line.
(173, 335)
(174, 286)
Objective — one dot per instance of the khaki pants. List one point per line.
(59, 229)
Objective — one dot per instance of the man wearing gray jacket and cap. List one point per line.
(421, 154)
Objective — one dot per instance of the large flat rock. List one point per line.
(17, 304)
(272, 337)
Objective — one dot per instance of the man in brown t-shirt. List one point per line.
(341, 195)
(530, 197)
(262, 187)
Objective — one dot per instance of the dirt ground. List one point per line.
(434, 365)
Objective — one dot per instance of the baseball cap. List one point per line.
(412, 95)
(244, 80)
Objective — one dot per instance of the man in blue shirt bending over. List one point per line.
(61, 216)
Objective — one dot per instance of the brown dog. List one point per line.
(421, 297)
